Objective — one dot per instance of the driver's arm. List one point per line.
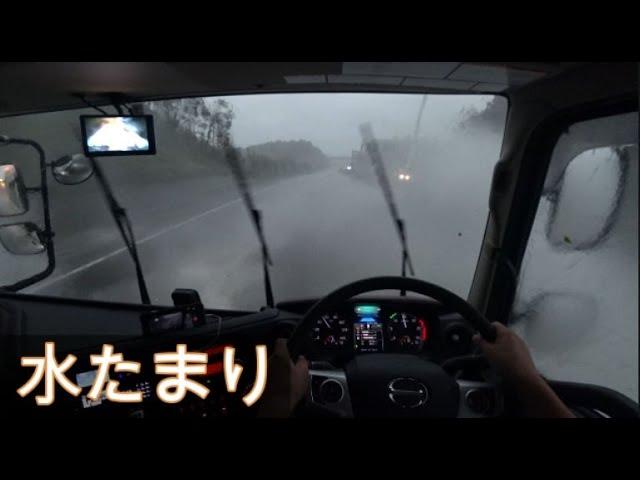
(287, 383)
(510, 356)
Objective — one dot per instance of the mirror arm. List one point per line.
(48, 232)
(84, 100)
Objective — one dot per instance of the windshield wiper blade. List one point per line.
(124, 226)
(233, 159)
(373, 151)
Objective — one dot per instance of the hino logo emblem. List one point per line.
(407, 392)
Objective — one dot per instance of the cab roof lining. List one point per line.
(29, 87)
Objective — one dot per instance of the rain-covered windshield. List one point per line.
(323, 212)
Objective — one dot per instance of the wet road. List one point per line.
(324, 229)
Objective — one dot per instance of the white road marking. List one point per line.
(86, 266)
(148, 238)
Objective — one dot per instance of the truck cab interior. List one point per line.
(376, 241)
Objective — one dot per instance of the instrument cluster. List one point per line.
(373, 328)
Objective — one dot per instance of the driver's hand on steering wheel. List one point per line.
(510, 356)
(287, 382)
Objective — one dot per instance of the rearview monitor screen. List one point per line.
(117, 135)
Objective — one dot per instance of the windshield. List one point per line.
(324, 215)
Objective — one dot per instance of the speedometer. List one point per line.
(406, 331)
(330, 331)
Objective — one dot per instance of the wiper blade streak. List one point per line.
(373, 152)
(233, 159)
(124, 227)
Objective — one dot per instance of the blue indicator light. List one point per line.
(367, 309)
(368, 320)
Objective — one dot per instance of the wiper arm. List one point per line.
(124, 226)
(240, 178)
(373, 152)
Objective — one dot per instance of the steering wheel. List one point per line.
(396, 385)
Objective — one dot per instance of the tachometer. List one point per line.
(330, 331)
(406, 331)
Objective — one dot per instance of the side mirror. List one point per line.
(72, 169)
(586, 201)
(22, 239)
(13, 194)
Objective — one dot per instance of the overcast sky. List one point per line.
(330, 121)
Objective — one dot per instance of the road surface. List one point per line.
(324, 229)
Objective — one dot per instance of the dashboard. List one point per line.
(361, 326)
(81, 327)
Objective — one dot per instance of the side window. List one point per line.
(577, 301)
